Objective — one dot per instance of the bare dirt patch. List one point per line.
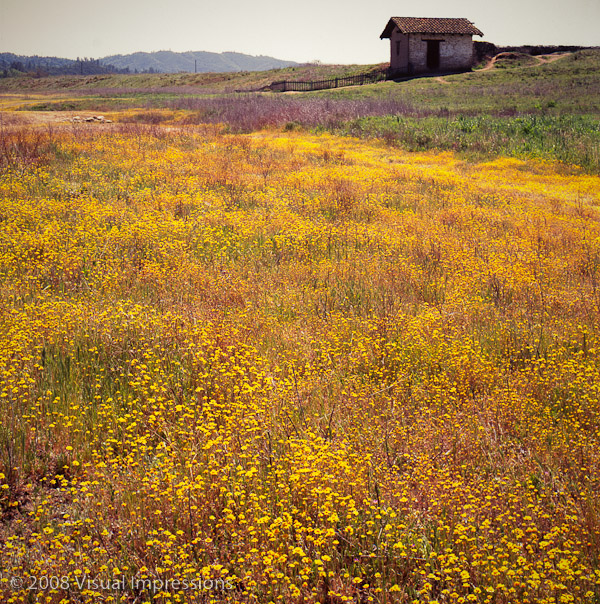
(36, 118)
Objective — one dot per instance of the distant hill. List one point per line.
(163, 61)
(166, 61)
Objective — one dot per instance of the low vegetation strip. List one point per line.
(573, 139)
(310, 86)
(296, 368)
(548, 111)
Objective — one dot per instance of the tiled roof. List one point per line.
(426, 25)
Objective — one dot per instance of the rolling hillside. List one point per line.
(166, 61)
(163, 61)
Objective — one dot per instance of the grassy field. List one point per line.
(269, 361)
(221, 82)
(546, 107)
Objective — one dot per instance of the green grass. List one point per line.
(521, 107)
(212, 82)
(510, 60)
(570, 139)
(571, 84)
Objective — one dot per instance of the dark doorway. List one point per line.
(433, 54)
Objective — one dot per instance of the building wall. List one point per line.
(399, 51)
(456, 52)
(408, 53)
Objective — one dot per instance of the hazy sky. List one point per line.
(334, 31)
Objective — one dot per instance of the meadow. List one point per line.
(289, 365)
(545, 107)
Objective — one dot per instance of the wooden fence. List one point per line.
(356, 80)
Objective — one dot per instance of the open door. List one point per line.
(433, 54)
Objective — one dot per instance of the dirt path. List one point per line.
(553, 57)
(490, 64)
(541, 60)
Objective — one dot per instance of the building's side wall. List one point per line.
(456, 52)
(399, 51)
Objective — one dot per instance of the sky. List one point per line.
(330, 31)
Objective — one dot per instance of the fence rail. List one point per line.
(355, 80)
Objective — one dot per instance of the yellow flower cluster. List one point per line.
(299, 368)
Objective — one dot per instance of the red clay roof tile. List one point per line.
(427, 25)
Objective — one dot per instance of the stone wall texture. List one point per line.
(409, 52)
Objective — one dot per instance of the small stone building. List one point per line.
(421, 45)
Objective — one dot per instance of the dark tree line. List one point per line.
(13, 65)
